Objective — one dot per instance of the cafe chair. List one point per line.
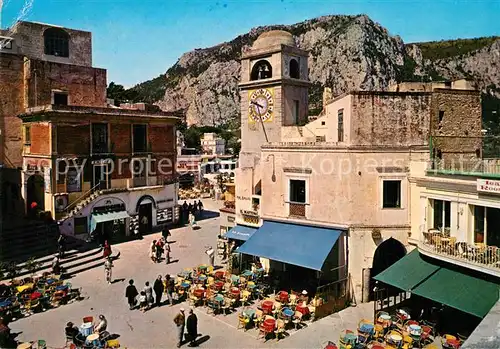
(243, 322)
(280, 329)
(297, 320)
(259, 317)
(41, 344)
(112, 343)
(212, 306)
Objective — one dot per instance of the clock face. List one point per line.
(261, 105)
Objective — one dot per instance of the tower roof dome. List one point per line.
(272, 38)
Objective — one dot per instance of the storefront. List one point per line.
(109, 220)
(299, 256)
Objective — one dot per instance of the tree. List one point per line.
(120, 94)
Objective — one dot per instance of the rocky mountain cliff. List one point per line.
(346, 53)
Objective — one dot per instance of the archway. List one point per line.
(146, 210)
(35, 193)
(387, 253)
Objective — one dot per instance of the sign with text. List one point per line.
(488, 186)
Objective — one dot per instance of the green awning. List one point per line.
(106, 217)
(109, 216)
(408, 272)
(460, 291)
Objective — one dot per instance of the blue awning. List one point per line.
(240, 232)
(106, 217)
(301, 245)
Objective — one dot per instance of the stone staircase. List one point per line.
(72, 263)
(75, 207)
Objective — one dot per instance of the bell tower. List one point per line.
(274, 94)
(273, 89)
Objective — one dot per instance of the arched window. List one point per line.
(56, 42)
(294, 69)
(261, 70)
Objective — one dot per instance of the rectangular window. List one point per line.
(392, 194)
(99, 138)
(81, 226)
(340, 116)
(7, 45)
(140, 138)
(60, 98)
(73, 181)
(298, 191)
(27, 135)
(295, 111)
(441, 115)
(442, 214)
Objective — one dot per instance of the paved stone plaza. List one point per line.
(155, 328)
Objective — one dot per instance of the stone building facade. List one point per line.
(349, 169)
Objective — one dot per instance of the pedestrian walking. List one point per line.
(149, 295)
(61, 240)
(192, 328)
(211, 256)
(166, 233)
(179, 321)
(108, 266)
(158, 288)
(152, 251)
(167, 253)
(106, 250)
(158, 249)
(131, 294)
(170, 284)
(200, 208)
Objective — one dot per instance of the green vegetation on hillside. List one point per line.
(229, 132)
(443, 49)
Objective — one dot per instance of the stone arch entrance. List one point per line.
(35, 193)
(146, 210)
(387, 253)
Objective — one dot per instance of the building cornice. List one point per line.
(335, 147)
(273, 82)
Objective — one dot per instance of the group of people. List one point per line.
(72, 332)
(146, 299)
(191, 324)
(190, 211)
(157, 248)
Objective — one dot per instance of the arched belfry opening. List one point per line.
(294, 69)
(261, 70)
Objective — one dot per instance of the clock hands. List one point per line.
(260, 118)
(257, 104)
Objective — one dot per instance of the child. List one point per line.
(143, 303)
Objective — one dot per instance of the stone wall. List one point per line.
(11, 104)
(40, 139)
(73, 139)
(29, 36)
(456, 124)
(398, 119)
(86, 86)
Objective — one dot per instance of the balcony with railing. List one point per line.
(475, 167)
(479, 256)
(297, 209)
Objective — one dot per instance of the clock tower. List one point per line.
(274, 95)
(273, 89)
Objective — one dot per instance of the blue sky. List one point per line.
(139, 40)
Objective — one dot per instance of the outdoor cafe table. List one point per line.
(302, 309)
(414, 330)
(199, 292)
(269, 324)
(287, 313)
(350, 338)
(219, 298)
(249, 313)
(267, 306)
(6, 303)
(235, 292)
(219, 285)
(202, 278)
(185, 284)
(26, 345)
(186, 274)
(50, 281)
(219, 274)
(282, 297)
(235, 279)
(366, 328)
(61, 288)
(24, 287)
(203, 268)
(35, 295)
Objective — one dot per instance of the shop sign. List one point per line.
(488, 186)
(230, 219)
(245, 198)
(48, 180)
(249, 213)
(109, 205)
